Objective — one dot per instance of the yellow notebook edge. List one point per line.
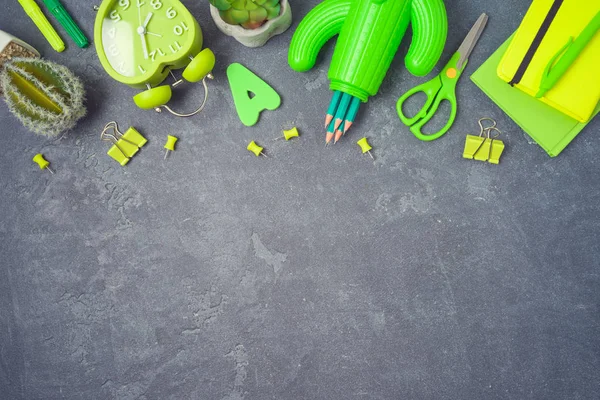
(582, 114)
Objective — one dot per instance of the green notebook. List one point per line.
(550, 128)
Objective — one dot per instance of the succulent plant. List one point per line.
(46, 97)
(250, 14)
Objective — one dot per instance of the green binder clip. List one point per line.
(485, 147)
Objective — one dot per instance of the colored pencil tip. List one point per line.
(338, 122)
(328, 137)
(328, 119)
(347, 126)
(338, 135)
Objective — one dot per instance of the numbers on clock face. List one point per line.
(113, 50)
(175, 47)
(155, 53)
(180, 28)
(115, 16)
(139, 33)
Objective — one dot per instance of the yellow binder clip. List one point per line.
(485, 147)
(115, 152)
(125, 145)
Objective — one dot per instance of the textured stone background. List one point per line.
(314, 274)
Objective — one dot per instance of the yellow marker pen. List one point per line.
(38, 17)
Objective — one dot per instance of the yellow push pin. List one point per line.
(292, 133)
(365, 146)
(256, 149)
(41, 161)
(170, 145)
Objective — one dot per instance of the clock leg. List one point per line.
(199, 69)
(199, 109)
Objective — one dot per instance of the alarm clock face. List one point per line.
(138, 38)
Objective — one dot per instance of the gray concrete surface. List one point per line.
(314, 274)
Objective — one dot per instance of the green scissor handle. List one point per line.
(431, 89)
(440, 88)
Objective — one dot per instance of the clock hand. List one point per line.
(140, 13)
(147, 21)
(142, 32)
(153, 34)
(144, 46)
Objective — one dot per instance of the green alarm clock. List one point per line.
(140, 42)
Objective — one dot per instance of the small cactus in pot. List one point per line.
(46, 97)
(251, 22)
(250, 14)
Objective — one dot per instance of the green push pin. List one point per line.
(365, 146)
(290, 134)
(256, 149)
(170, 145)
(41, 161)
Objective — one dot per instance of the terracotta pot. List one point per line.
(259, 36)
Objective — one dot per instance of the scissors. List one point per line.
(442, 87)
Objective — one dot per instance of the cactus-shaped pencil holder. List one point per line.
(46, 97)
(370, 32)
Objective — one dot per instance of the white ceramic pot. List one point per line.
(256, 37)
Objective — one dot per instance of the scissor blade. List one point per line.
(467, 46)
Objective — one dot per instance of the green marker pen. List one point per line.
(63, 18)
(39, 19)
